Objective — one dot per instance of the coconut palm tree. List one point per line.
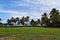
(22, 20)
(32, 22)
(17, 20)
(12, 20)
(38, 22)
(45, 19)
(27, 19)
(0, 21)
(54, 16)
(8, 21)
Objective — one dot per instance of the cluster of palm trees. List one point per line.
(52, 20)
(24, 21)
(17, 20)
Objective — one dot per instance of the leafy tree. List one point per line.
(8, 21)
(45, 19)
(17, 20)
(55, 17)
(0, 21)
(38, 21)
(54, 14)
(22, 20)
(27, 19)
(12, 19)
(32, 22)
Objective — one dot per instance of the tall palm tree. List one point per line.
(8, 21)
(54, 12)
(38, 22)
(0, 21)
(27, 19)
(32, 22)
(45, 19)
(17, 20)
(22, 20)
(54, 16)
(12, 20)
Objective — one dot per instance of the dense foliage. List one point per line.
(52, 20)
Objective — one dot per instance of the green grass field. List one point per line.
(30, 30)
(27, 31)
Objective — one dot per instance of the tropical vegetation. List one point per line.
(52, 20)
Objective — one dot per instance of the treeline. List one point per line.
(52, 20)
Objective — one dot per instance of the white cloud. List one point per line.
(12, 13)
(36, 7)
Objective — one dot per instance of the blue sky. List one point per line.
(32, 8)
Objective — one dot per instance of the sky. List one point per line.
(32, 8)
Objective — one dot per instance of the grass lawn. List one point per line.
(30, 30)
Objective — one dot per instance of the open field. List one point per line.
(30, 33)
(30, 30)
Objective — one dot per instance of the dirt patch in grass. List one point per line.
(29, 37)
